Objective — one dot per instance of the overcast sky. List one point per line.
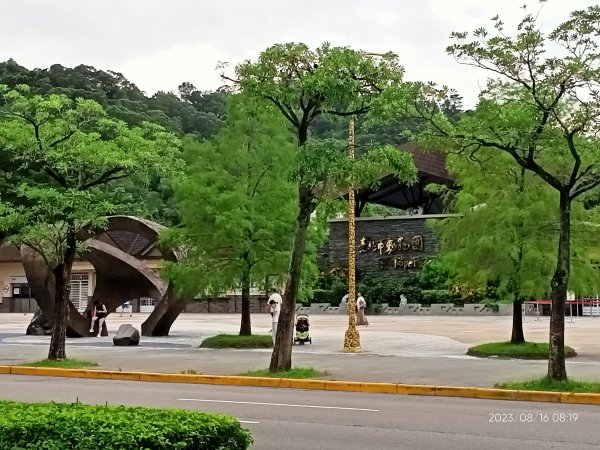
(157, 44)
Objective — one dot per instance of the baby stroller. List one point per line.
(302, 333)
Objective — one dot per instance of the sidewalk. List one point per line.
(396, 349)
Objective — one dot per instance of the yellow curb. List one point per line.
(243, 381)
(455, 391)
(500, 394)
(307, 384)
(168, 377)
(269, 382)
(211, 379)
(580, 397)
(349, 386)
(128, 376)
(274, 382)
(56, 372)
(415, 389)
(23, 370)
(540, 396)
(96, 374)
(381, 388)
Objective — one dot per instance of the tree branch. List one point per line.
(104, 178)
(584, 187)
(571, 145)
(292, 118)
(361, 110)
(259, 179)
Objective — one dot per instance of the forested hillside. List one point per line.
(192, 112)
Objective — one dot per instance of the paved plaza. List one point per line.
(396, 349)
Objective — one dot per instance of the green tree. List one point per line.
(66, 153)
(236, 205)
(304, 84)
(505, 230)
(543, 110)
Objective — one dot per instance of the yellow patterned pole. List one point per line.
(352, 338)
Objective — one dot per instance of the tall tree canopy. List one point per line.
(237, 205)
(506, 230)
(542, 109)
(304, 84)
(65, 154)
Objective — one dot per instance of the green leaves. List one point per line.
(85, 427)
(64, 155)
(236, 201)
(305, 83)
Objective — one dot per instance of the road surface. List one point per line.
(326, 420)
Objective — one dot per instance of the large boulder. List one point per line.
(127, 335)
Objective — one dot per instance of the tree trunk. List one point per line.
(62, 277)
(163, 326)
(560, 281)
(517, 336)
(164, 314)
(246, 325)
(281, 359)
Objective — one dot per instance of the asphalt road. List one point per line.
(324, 420)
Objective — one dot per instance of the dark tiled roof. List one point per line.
(431, 167)
(428, 163)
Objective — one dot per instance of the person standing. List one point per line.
(275, 301)
(126, 307)
(361, 305)
(99, 312)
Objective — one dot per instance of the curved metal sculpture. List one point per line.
(119, 277)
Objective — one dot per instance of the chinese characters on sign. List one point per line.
(388, 248)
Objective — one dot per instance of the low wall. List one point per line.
(233, 305)
(227, 305)
(436, 309)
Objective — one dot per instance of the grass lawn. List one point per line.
(545, 384)
(237, 341)
(294, 372)
(68, 363)
(526, 350)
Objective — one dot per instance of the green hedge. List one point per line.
(58, 426)
(431, 296)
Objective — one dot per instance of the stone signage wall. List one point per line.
(388, 246)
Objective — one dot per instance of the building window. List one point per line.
(79, 290)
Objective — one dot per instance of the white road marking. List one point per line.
(247, 421)
(275, 404)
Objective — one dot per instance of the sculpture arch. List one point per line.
(120, 276)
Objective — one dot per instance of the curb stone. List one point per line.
(314, 384)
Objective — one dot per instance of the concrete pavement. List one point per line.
(396, 349)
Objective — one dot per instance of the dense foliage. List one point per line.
(303, 84)
(236, 205)
(541, 109)
(193, 112)
(57, 426)
(65, 156)
(433, 284)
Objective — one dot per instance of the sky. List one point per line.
(157, 44)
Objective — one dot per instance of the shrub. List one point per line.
(330, 288)
(389, 290)
(237, 341)
(438, 296)
(55, 426)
